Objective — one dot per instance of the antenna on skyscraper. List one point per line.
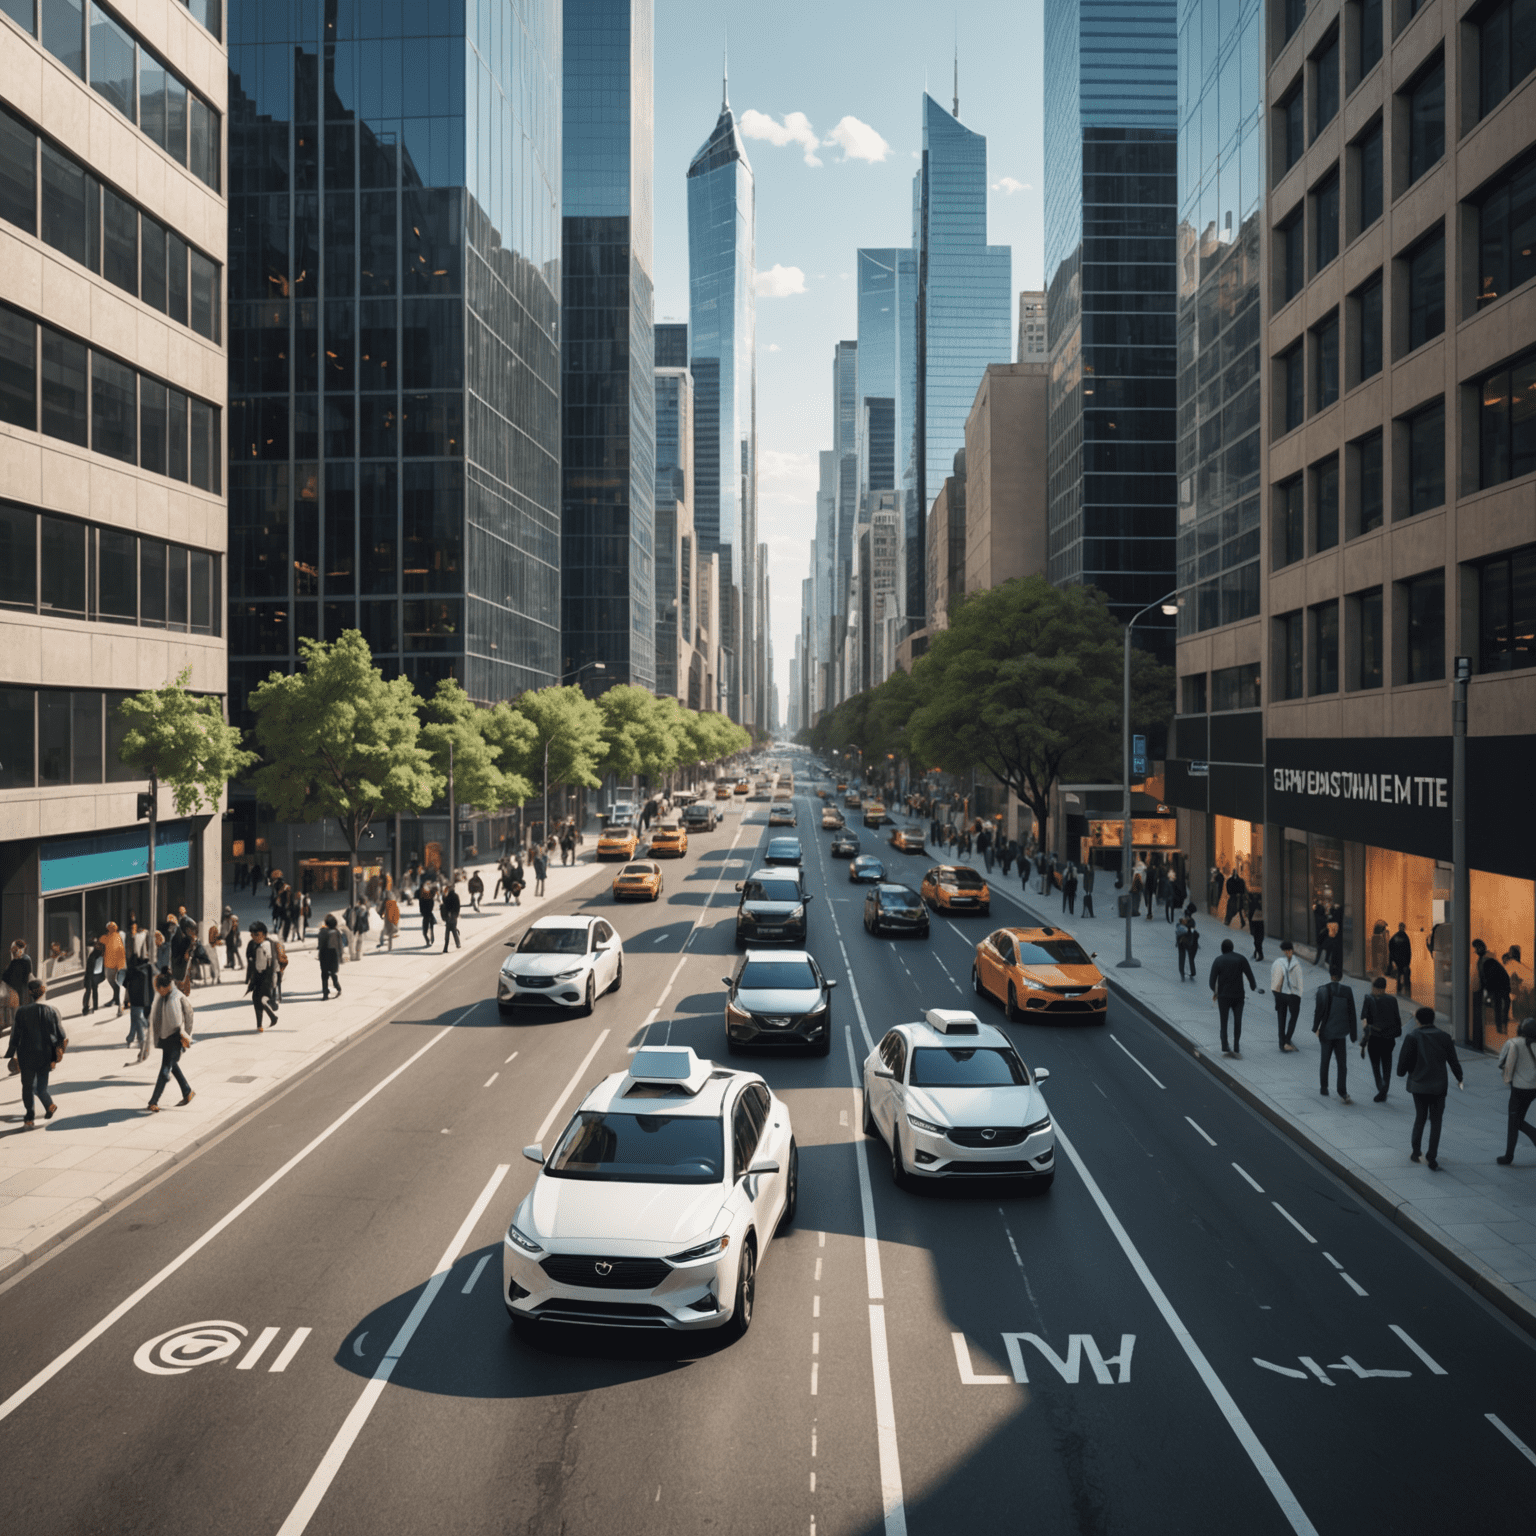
(957, 64)
(725, 74)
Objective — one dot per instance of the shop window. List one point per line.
(1192, 693)
(1325, 349)
(1506, 232)
(17, 764)
(18, 559)
(1325, 92)
(1423, 609)
(1365, 639)
(63, 947)
(1507, 612)
(1399, 892)
(1370, 162)
(1369, 350)
(1290, 654)
(1291, 248)
(1368, 20)
(18, 370)
(1325, 504)
(1370, 482)
(1323, 622)
(18, 174)
(1504, 917)
(63, 566)
(1424, 270)
(1325, 221)
(1235, 687)
(1506, 36)
(1425, 430)
(1424, 104)
(1506, 418)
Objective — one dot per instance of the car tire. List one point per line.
(1014, 1016)
(792, 1186)
(746, 1291)
(618, 977)
(590, 1003)
(899, 1175)
(976, 984)
(870, 1128)
(824, 1047)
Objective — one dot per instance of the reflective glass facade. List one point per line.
(1111, 73)
(394, 423)
(722, 312)
(964, 309)
(845, 450)
(674, 440)
(1221, 194)
(609, 403)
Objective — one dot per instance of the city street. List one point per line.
(1198, 1329)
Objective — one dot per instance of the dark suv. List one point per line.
(778, 998)
(699, 817)
(772, 908)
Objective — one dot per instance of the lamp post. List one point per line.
(1127, 857)
(1461, 880)
(586, 666)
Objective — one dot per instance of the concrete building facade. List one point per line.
(1005, 475)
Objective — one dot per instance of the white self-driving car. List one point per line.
(561, 962)
(656, 1205)
(951, 1098)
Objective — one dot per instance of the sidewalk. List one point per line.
(1477, 1218)
(102, 1144)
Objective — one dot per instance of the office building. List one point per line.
(887, 374)
(608, 390)
(1034, 347)
(1005, 479)
(671, 348)
(722, 309)
(679, 672)
(1111, 120)
(113, 234)
(944, 557)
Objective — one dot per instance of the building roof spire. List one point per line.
(957, 66)
(725, 74)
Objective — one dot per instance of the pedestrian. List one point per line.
(261, 975)
(1228, 973)
(1285, 986)
(449, 907)
(1426, 1055)
(1495, 980)
(1256, 923)
(330, 944)
(1187, 941)
(358, 924)
(1320, 926)
(1087, 884)
(426, 903)
(476, 889)
(1479, 997)
(305, 911)
(1381, 1026)
(170, 1027)
(38, 1043)
(116, 957)
(18, 972)
(140, 989)
(1069, 890)
(540, 870)
(1517, 1066)
(1330, 949)
(1138, 886)
(1237, 900)
(182, 945)
(1333, 1022)
(1005, 857)
(1167, 893)
(391, 922)
(139, 941)
(516, 884)
(1400, 959)
(95, 974)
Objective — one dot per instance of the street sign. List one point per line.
(1138, 746)
(1199, 770)
(1138, 767)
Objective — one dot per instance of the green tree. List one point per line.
(640, 734)
(341, 742)
(1026, 683)
(515, 740)
(452, 719)
(568, 744)
(712, 737)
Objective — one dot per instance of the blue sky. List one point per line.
(855, 70)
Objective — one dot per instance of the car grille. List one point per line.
(991, 1136)
(534, 981)
(962, 1165)
(602, 1314)
(773, 1023)
(623, 1274)
(1069, 1005)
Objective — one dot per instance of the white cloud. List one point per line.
(1008, 185)
(858, 141)
(786, 480)
(778, 282)
(795, 129)
(773, 346)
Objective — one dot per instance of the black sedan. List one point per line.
(895, 909)
(778, 999)
(845, 845)
(783, 850)
(866, 870)
(699, 817)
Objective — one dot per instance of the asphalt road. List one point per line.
(1196, 1330)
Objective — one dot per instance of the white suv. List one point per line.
(561, 962)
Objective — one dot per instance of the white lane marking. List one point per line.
(1143, 1068)
(491, 1079)
(290, 1349)
(510, 1059)
(698, 922)
(1354, 1285)
(124, 1307)
(816, 1306)
(258, 1349)
(330, 1464)
(891, 1499)
(1316, 1370)
(1290, 1505)
(1435, 1369)
(1024, 1273)
(1249, 1178)
(475, 1274)
(1512, 1437)
(866, 1194)
(858, 1007)
(814, 1369)
(570, 1087)
(968, 1376)
(1280, 1370)
(815, 1343)
(1209, 1140)
(1332, 1260)
(1293, 1221)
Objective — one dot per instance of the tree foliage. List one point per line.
(640, 733)
(480, 779)
(570, 726)
(182, 739)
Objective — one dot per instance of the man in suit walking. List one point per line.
(1426, 1055)
(1333, 1022)
(1088, 890)
(1228, 973)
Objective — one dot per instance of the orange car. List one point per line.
(1035, 972)
(618, 842)
(743, 787)
(722, 791)
(669, 842)
(907, 840)
(954, 888)
(637, 880)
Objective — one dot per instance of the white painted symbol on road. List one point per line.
(178, 1351)
(1348, 1365)
(1068, 1367)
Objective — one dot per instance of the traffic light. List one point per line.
(146, 806)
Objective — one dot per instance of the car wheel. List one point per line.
(746, 1291)
(1014, 1016)
(618, 976)
(824, 1048)
(791, 1186)
(899, 1175)
(590, 1002)
(976, 985)
(870, 1128)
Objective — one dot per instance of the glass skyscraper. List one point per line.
(722, 310)
(964, 309)
(608, 386)
(1111, 120)
(394, 413)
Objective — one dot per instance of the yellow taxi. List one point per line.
(831, 819)
(618, 842)
(742, 787)
(669, 841)
(842, 784)
(722, 791)
(1038, 973)
(636, 882)
(874, 813)
(907, 840)
(954, 888)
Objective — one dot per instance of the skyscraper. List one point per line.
(607, 514)
(845, 454)
(723, 322)
(1111, 117)
(964, 305)
(675, 541)
(887, 379)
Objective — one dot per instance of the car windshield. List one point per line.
(637, 871)
(620, 829)
(771, 890)
(554, 941)
(966, 879)
(898, 898)
(1052, 952)
(966, 1067)
(777, 976)
(639, 1149)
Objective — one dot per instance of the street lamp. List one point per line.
(593, 666)
(586, 666)
(1169, 607)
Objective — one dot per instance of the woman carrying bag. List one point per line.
(1517, 1063)
(37, 1046)
(170, 1027)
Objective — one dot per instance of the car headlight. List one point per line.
(1037, 1127)
(1034, 986)
(927, 1125)
(566, 975)
(735, 1011)
(712, 1249)
(522, 1241)
(797, 915)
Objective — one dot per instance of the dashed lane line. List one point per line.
(1248, 1178)
(1433, 1366)
(1512, 1437)
(1293, 1221)
(1210, 1141)
(1140, 1064)
(1353, 1284)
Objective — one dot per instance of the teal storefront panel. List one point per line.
(108, 858)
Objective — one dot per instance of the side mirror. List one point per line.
(738, 885)
(1041, 1073)
(885, 1072)
(725, 981)
(767, 1165)
(535, 1154)
(806, 898)
(830, 985)
(1094, 955)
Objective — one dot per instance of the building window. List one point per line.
(18, 370)
(1366, 621)
(1506, 231)
(62, 566)
(63, 32)
(1235, 687)
(1192, 694)
(1325, 504)
(1290, 522)
(1506, 36)
(1293, 124)
(1426, 458)
(114, 409)
(112, 62)
(1325, 213)
(1290, 654)
(1370, 15)
(1370, 162)
(1425, 103)
(1369, 468)
(17, 726)
(1507, 612)
(1293, 256)
(1293, 376)
(71, 209)
(1324, 624)
(18, 174)
(1326, 91)
(1368, 357)
(1325, 346)
(1425, 266)
(1506, 420)
(1424, 611)
(66, 389)
(18, 560)
(1292, 14)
